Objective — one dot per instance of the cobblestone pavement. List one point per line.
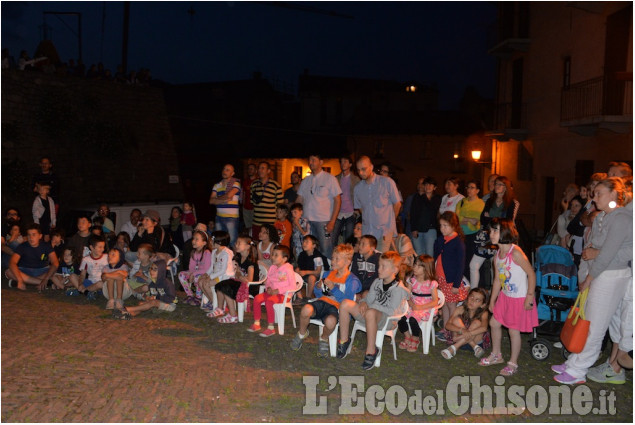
(65, 359)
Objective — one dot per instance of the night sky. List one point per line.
(442, 43)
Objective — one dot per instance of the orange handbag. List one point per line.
(576, 327)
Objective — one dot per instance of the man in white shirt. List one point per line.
(131, 227)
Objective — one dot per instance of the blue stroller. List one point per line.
(556, 291)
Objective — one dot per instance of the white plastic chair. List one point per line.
(281, 308)
(173, 264)
(241, 307)
(427, 326)
(389, 329)
(332, 337)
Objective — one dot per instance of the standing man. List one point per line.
(346, 217)
(225, 195)
(291, 194)
(378, 199)
(265, 195)
(321, 195)
(248, 207)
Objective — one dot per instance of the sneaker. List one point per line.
(369, 359)
(110, 304)
(441, 336)
(342, 349)
(605, 374)
(208, 306)
(139, 296)
(559, 368)
(323, 348)
(72, 292)
(254, 328)
(91, 295)
(565, 378)
(297, 340)
(267, 333)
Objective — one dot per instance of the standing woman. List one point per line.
(469, 212)
(452, 196)
(609, 274)
(423, 216)
(501, 204)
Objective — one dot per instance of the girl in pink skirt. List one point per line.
(512, 301)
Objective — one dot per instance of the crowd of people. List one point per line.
(97, 71)
(340, 235)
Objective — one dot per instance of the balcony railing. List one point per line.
(596, 98)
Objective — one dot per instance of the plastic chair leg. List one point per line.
(333, 340)
(279, 310)
(240, 308)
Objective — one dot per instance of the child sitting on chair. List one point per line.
(386, 297)
(338, 284)
(280, 279)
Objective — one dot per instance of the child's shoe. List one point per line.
(565, 378)
(403, 345)
(228, 318)
(369, 359)
(323, 348)
(296, 342)
(119, 304)
(342, 349)
(91, 295)
(414, 344)
(72, 292)
(509, 370)
(216, 313)
(559, 368)
(254, 328)
(478, 351)
(492, 359)
(110, 304)
(268, 332)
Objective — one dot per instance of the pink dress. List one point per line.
(421, 294)
(509, 309)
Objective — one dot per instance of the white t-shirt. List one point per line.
(449, 203)
(94, 267)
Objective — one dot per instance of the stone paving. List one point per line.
(65, 359)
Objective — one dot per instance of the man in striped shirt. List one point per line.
(225, 196)
(265, 195)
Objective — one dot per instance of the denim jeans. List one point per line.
(343, 226)
(424, 242)
(326, 244)
(230, 225)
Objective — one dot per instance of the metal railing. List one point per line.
(596, 97)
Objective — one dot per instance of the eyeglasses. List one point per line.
(499, 184)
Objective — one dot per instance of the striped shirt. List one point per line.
(265, 198)
(230, 208)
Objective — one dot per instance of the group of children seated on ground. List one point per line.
(367, 285)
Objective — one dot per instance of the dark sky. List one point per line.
(442, 43)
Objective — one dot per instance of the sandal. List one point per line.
(403, 345)
(414, 344)
(509, 370)
(121, 314)
(216, 313)
(449, 352)
(228, 318)
(492, 359)
(478, 351)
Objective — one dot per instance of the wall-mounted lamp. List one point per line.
(476, 156)
(456, 156)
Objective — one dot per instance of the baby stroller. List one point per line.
(556, 291)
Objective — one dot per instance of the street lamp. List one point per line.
(476, 155)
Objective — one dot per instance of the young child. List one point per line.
(468, 324)
(386, 297)
(512, 302)
(423, 287)
(114, 276)
(222, 268)
(92, 266)
(44, 210)
(283, 225)
(301, 228)
(268, 239)
(246, 267)
(200, 262)
(123, 242)
(280, 279)
(366, 262)
(449, 253)
(67, 271)
(139, 276)
(57, 242)
(188, 220)
(32, 262)
(356, 237)
(339, 284)
(310, 264)
(162, 294)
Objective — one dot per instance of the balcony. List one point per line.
(510, 120)
(510, 33)
(600, 102)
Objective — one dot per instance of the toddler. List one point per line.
(301, 228)
(188, 220)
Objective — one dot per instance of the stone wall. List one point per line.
(108, 142)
